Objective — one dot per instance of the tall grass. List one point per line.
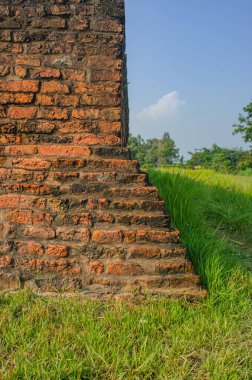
(43, 338)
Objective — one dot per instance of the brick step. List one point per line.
(190, 294)
(98, 190)
(148, 251)
(147, 282)
(105, 190)
(53, 204)
(59, 150)
(58, 177)
(88, 165)
(100, 219)
(78, 203)
(153, 219)
(89, 139)
(135, 235)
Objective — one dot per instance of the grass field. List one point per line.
(43, 338)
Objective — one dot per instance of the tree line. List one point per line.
(163, 152)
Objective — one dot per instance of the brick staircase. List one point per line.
(88, 220)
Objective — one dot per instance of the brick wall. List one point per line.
(75, 211)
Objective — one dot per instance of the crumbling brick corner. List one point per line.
(76, 213)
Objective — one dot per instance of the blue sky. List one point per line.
(189, 69)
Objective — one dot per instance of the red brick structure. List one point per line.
(75, 211)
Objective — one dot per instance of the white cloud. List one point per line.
(162, 116)
(165, 108)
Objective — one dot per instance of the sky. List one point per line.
(189, 69)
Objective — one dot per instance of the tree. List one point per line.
(154, 151)
(245, 124)
(137, 147)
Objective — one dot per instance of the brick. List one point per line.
(20, 71)
(50, 23)
(37, 232)
(31, 163)
(86, 113)
(20, 216)
(60, 10)
(56, 250)
(124, 269)
(144, 253)
(20, 150)
(9, 201)
(29, 248)
(28, 60)
(60, 150)
(42, 218)
(83, 218)
(10, 48)
(58, 100)
(80, 234)
(53, 113)
(107, 236)
(96, 267)
(46, 73)
(54, 87)
(5, 35)
(5, 261)
(16, 112)
(98, 140)
(74, 75)
(21, 98)
(176, 266)
(19, 86)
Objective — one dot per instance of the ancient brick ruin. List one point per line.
(76, 213)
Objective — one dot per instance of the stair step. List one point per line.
(149, 281)
(105, 190)
(133, 235)
(71, 164)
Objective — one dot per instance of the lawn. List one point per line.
(43, 338)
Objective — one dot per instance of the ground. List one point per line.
(43, 338)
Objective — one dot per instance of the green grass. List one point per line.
(43, 338)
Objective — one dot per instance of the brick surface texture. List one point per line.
(76, 213)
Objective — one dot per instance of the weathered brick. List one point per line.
(46, 73)
(21, 98)
(29, 248)
(58, 9)
(31, 163)
(5, 261)
(124, 269)
(63, 150)
(16, 112)
(50, 23)
(28, 60)
(107, 236)
(56, 250)
(19, 86)
(20, 71)
(80, 234)
(37, 232)
(53, 86)
(20, 150)
(100, 139)
(53, 113)
(58, 100)
(96, 267)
